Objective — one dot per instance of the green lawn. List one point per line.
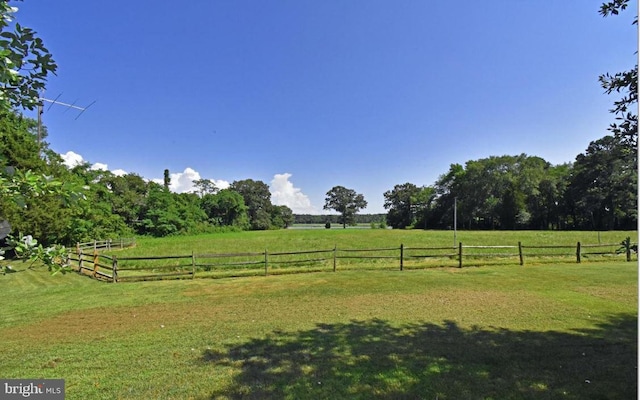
(312, 239)
(348, 240)
(496, 332)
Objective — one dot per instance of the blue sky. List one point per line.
(307, 95)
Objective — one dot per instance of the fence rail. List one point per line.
(217, 265)
(107, 244)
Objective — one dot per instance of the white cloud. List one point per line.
(221, 184)
(283, 193)
(99, 167)
(182, 182)
(71, 159)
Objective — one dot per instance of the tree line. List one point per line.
(598, 191)
(318, 219)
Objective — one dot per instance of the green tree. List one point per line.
(281, 217)
(160, 215)
(346, 202)
(35, 187)
(603, 186)
(548, 207)
(424, 202)
(25, 63)
(167, 179)
(491, 193)
(401, 203)
(226, 208)
(128, 196)
(257, 198)
(205, 186)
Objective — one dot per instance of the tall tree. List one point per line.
(166, 213)
(225, 208)
(205, 186)
(346, 202)
(603, 185)
(424, 204)
(401, 202)
(34, 184)
(129, 195)
(167, 179)
(491, 193)
(257, 198)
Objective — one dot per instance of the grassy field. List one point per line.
(497, 332)
(312, 239)
(347, 257)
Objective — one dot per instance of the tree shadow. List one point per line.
(377, 360)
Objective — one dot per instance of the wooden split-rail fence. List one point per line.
(113, 268)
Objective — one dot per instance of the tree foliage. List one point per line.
(25, 63)
(281, 217)
(602, 190)
(226, 208)
(346, 202)
(624, 83)
(257, 198)
(401, 203)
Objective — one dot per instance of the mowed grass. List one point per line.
(326, 239)
(495, 332)
(416, 255)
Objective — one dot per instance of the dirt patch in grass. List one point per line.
(99, 323)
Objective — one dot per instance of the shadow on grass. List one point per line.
(373, 359)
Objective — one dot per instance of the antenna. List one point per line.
(55, 101)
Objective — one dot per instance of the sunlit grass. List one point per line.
(342, 250)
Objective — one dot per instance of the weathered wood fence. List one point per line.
(106, 244)
(88, 261)
(216, 265)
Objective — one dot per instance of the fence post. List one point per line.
(193, 265)
(80, 260)
(266, 261)
(520, 253)
(335, 250)
(628, 251)
(95, 263)
(578, 253)
(114, 270)
(459, 254)
(401, 256)
(95, 245)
